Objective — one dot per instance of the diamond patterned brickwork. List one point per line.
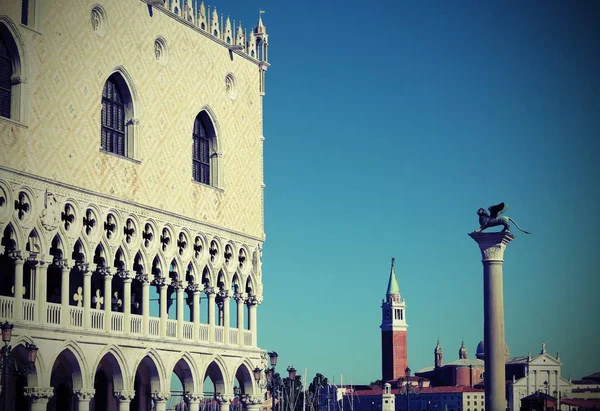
(66, 67)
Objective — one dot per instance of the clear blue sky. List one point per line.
(387, 125)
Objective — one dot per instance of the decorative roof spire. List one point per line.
(260, 27)
(393, 287)
(462, 352)
(438, 347)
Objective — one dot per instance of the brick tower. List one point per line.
(394, 348)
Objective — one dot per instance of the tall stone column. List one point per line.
(124, 397)
(126, 300)
(39, 397)
(41, 284)
(224, 302)
(84, 397)
(195, 309)
(18, 287)
(87, 293)
(64, 292)
(107, 297)
(210, 293)
(160, 399)
(162, 285)
(492, 246)
(143, 278)
(178, 286)
(252, 306)
(240, 299)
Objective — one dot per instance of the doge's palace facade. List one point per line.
(131, 203)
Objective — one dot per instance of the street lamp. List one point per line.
(272, 383)
(546, 397)
(9, 364)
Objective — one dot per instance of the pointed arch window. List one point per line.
(117, 122)
(6, 73)
(204, 151)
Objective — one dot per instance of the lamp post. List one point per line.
(546, 397)
(9, 364)
(273, 382)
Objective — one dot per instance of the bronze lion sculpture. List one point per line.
(493, 218)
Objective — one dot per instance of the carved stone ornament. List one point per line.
(193, 397)
(161, 396)
(223, 294)
(239, 296)
(249, 400)
(159, 281)
(50, 216)
(15, 255)
(209, 290)
(84, 395)
(193, 287)
(124, 395)
(176, 284)
(39, 393)
(252, 300)
(492, 245)
(142, 278)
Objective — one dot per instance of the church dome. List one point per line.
(480, 350)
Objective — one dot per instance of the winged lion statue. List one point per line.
(493, 218)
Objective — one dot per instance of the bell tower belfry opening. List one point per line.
(394, 348)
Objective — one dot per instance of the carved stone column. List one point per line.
(210, 293)
(64, 292)
(240, 299)
(41, 284)
(84, 397)
(195, 309)
(492, 246)
(179, 288)
(252, 306)
(223, 301)
(124, 397)
(39, 397)
(126, 300)
(223, 401)
(162, 286)
(143, 278)
(161, 398)
(193, 400)
(105, 271)
(18, 291)
(87, 293)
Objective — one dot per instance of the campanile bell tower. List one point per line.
(394, 348)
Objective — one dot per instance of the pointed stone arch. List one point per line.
(222, 280)
(216, 370)
(207, 277)
(205, 136)
(34, 242)
(152, 363)
(101, 255)
(38, 376)
(113, 359)
(236, 283)
(77, 367)
(10, 237)
(80, 252)
(121, 261)
(186, 370)
(250, 286)
(158, 262)
(58, 248)
(243, 373)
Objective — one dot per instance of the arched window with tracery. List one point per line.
(204, 153)
(113, 118)
(6, 72)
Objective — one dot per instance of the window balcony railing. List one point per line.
(75, 319)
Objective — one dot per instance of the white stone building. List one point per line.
(131, 202)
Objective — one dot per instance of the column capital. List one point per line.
(223, 399)
(208, 290)
(84, 268)
(223, 294)
(177, 285)
(125, 275)
(84, 395)
(15, 255)
(39, 393)
(124, 395)
(492, 245)
(193, 397)
(104, 271)
(193, 287)
(252, 400)
(253, 300)
(142, 278)
(160, 396)
(159, 281)
(239, 296)
(62, 264)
